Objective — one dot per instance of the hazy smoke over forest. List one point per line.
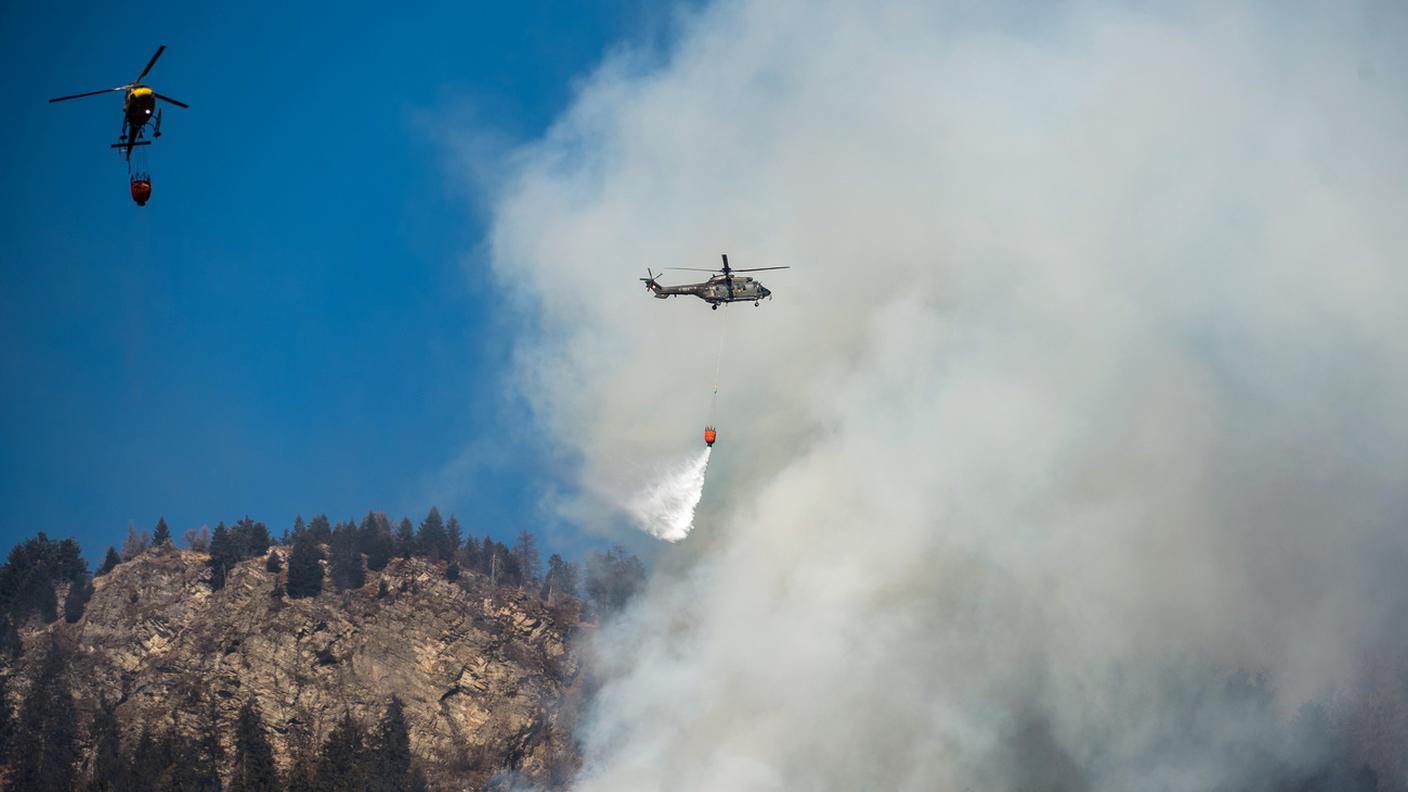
(1085, 391)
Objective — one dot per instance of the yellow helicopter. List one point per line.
(137, 108)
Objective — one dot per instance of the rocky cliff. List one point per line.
(482, 672)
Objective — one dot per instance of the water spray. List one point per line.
(665, 508)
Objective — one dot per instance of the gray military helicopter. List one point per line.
(724, 287)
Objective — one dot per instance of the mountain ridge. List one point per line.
(482, 671)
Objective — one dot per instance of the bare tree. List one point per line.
(135, 542)
(198, 539)
(525, 552)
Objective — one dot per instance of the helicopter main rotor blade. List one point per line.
(172, 101)
(693, 269)
(760, 269)
(90, 93)
(151, 63)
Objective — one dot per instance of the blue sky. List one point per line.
(292, 324)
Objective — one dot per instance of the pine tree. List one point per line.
(320, 529)
(222, 556)
(346, 561)
(612, 578)
(7, 719)
(160, 762)
(162, 535)
(300, 776)
(47, 603)
(253, 769)
(391, 752)
(298, 529)
(453, 536)
(510, 574)
(305, 568)
(302, 756)
(469, 555)
(272, 563)
(452, 571)
(432, 540)
(46, 742)
(77, 600)
(28, 578)
(488, 559)
(525, 552)
(68, 563)
(342, 762)
(183, 757)
(209, 752)
(561, 578)
(110, 561)
(405, 539)
(249, 539)
(376, 541)
(286, 538)
(142, 764)
(109, 766)
(365, 530)
(11, 646)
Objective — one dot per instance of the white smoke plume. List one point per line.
(1085, 388)
(664, 507)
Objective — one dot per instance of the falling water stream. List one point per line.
(665, 507)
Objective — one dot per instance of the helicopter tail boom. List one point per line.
(653, 286)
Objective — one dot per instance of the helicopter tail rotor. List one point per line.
(652, 285)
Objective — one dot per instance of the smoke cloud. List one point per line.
(1084, 393)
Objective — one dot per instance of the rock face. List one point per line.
(481, 672)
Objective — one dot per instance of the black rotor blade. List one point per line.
(90, 93)
(691, 269)
(760, 269)
(151, 63)
(172, 101)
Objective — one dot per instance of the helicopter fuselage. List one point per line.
(721, 289)
(138, 107)
(717, 290)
